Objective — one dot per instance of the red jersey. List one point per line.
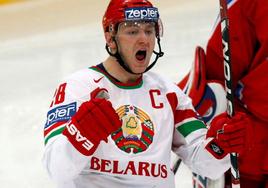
(248, 24)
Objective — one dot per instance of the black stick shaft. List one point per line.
(228, 84)
(176, 166)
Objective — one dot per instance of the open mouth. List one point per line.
(141, 55)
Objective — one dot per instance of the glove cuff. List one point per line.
(81, 143)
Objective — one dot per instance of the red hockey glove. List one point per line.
(93, 122)
(229, 134)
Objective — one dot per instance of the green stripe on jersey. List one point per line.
(57, 132)
(189, 127)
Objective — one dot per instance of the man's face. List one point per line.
(136, 42)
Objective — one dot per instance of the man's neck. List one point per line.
(115, 70)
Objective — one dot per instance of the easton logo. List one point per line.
(78, 137)
(141, 13)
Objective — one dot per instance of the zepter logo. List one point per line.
(137, 131)
(141, 13)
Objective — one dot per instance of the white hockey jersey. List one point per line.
(156, 118)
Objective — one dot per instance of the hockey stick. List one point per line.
(228, 84)
(176, 166)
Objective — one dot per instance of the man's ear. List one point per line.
(110, 41)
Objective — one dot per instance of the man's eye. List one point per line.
(133, 32)
(149, 31)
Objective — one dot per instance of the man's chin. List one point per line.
(139, 69)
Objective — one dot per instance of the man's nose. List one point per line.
(143, 36)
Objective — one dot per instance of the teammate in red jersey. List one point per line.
(249, 53)
(248, 24)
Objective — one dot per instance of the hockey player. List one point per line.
(114, 124)
(249, 57)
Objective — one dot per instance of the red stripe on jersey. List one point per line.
(181, 115)
(51, 128)
(173, 101)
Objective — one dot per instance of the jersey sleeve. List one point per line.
(189, 141)
(62, 161)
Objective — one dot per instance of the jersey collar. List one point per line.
(137, 84)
